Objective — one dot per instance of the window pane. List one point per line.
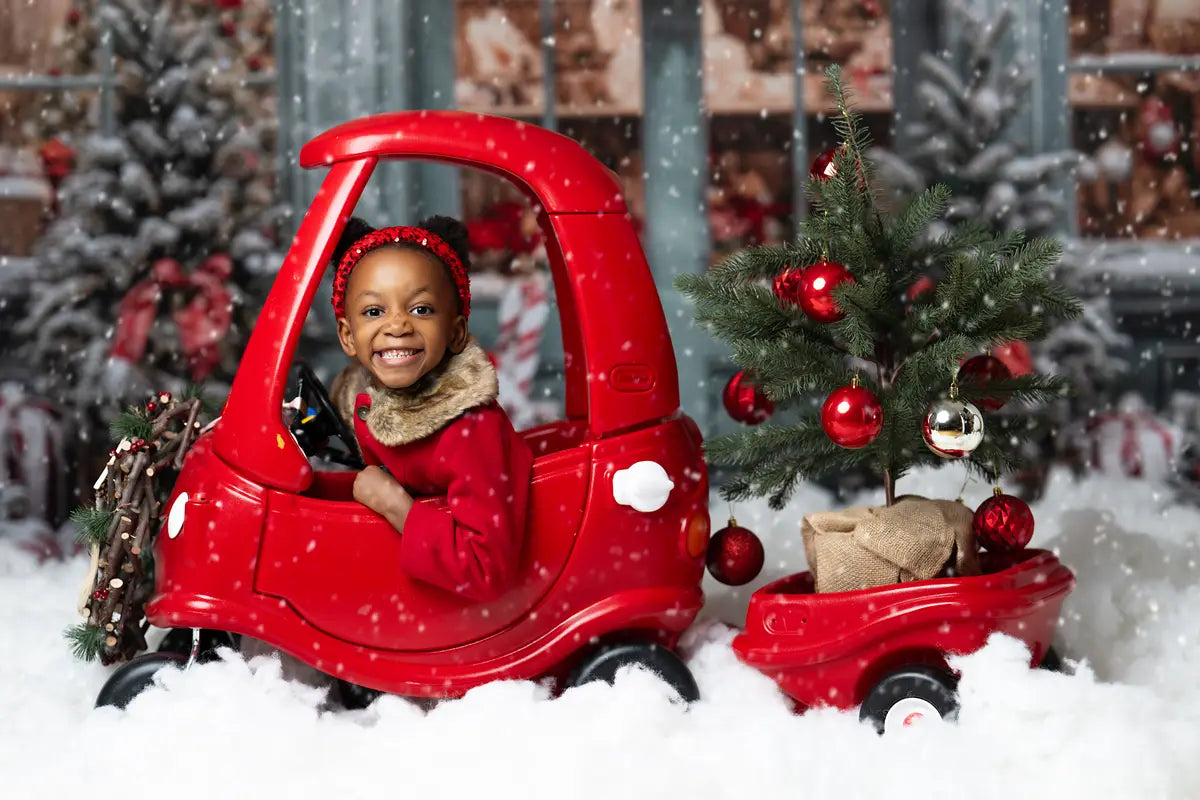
(1143, 179)
(1168, 28)
(598, 56)
(499, 57)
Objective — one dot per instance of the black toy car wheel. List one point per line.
(353, 696)
(179, 641)
(130, 680)
(909, 694)
(602, 663)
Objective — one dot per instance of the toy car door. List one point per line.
(337, 564)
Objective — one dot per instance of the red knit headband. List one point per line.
(400, 233)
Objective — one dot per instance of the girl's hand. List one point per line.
(380, 492)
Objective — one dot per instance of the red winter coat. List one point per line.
(450, 440)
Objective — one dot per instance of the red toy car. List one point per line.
(259, 543)
(883, 648)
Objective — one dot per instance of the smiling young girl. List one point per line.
(421, 397)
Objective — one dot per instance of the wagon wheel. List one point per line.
(602, 663)
(912, 693)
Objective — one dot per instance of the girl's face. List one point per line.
(401, 315)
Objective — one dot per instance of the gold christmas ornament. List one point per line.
(953, 428)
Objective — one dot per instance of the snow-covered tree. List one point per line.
(969, 97)
(167, 228)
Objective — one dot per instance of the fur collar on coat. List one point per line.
(399, 416)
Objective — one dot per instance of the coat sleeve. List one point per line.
(472, 546)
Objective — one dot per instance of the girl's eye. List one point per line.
(423, 311)
(372, 311)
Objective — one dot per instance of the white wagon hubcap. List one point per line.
(908, 712)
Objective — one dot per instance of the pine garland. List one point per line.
(995, 288)
(119, 528)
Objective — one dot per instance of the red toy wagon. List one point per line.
(260, 543)
(883, 648)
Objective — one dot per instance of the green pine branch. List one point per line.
(86, 640)
(134, 423)
(93, 524)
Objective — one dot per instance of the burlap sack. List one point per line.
(914, 539)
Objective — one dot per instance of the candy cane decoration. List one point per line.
(523, 312)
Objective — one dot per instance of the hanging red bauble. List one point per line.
(1160, 136)
(787, 286)
(745, 402)
(254, 63)
(823, 167)
(920, 289)
(73, 17)
(816, 290)
(981, 371)
(735, 555)
(58, 159)
(1015, 356)
(852, 416)
(228, 28)
(1003, 523)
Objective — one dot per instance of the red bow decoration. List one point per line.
(202, 323)
(500, 228)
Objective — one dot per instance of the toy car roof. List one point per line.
(556, 169)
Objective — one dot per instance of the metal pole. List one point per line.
(799, 119)
(108, 113)
(675, 143)
(549, 92)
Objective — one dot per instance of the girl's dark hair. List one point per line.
(451, 230)
(355, 229)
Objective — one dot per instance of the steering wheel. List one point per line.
(312, 430)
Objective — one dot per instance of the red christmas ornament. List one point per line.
(151, 406)
(1160, 135)
(852, 416)
(745, 402)
(164, 397)
(735, 555)
(787, 286)
(980, 371)
(920, 289)
(823, 168)
(228, 28)
(58, 159)
(816, 290)
(254, 63)
(1003, 523)
(1015, 356)
(73, 17)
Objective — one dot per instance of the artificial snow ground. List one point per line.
(1126, 724)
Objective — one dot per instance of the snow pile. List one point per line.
(241, 729)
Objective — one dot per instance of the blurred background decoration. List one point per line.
(708, 111)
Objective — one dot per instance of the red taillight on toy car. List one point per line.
(695, 533)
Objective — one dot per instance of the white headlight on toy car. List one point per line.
(176, 515)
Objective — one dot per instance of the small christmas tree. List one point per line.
(166, 233)
(849, 328)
